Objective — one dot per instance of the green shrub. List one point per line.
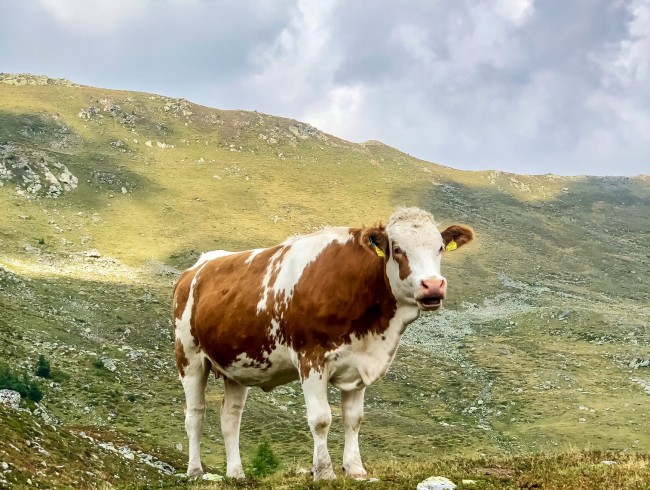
(43, 367)
(265, 462)
(22, 384)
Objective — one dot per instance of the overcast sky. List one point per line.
(526, 86)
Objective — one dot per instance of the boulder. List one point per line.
(436, 483)
(10, 398)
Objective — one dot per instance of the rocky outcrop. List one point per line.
(27, 79)
(34, 172)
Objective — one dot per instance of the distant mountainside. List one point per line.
(105, 195)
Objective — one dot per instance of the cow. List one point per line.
(328, 307)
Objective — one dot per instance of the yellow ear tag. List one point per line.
(452, 245)
(378, 251)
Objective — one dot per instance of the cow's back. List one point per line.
(218, 300)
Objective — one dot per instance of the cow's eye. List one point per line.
(442, 249)
(397, 251)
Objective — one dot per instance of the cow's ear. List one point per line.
(456, 236)
(376, 240)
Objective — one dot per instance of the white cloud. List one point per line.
(517, 11)
(301, 62)
(93, 16)
(340, 111)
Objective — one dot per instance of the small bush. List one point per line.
(43, 367)
(22, 384)
(265, 462)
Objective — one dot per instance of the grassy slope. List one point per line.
(552, 299)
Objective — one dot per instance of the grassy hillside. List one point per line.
(107, 194)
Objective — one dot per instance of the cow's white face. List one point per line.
(416, 249)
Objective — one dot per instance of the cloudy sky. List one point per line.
(527, 86)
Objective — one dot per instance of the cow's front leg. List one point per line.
(319, 417)
(352, 408)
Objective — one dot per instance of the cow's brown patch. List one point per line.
(181, 360)
(402, 261)
(461, 234)
(225, 317)
(181, 294)
(343, 293)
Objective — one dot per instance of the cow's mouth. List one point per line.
(429, 303)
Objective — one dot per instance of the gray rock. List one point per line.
(109, 364)
(436, 483)
(10, 398)
(637, 363)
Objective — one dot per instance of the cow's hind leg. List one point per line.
(352, 408)
(194, 379)
(319, 417)
(234, 398)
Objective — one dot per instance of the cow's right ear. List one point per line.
(377, 241)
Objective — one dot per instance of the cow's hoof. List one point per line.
(236, 472)
(194, 472)
(358, 474)
(324, 474)
(355, 470)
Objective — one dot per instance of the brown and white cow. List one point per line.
(329, 307)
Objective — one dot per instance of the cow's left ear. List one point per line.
(377, 240)
(456, 236)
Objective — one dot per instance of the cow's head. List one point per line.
(413, 248)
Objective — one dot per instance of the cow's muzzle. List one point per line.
(432, 292)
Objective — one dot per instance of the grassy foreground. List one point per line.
(572, 470)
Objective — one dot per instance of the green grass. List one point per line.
(571, 470)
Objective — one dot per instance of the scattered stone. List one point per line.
(47, 417)
(436, 483)
(637, 363)
(608, 462)
(469, 482)
(89, 112)
(91, 254)
(109, 364)
(10, 398)
(643, 383)
(212, 477)
(129, 119)
(179, 446)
